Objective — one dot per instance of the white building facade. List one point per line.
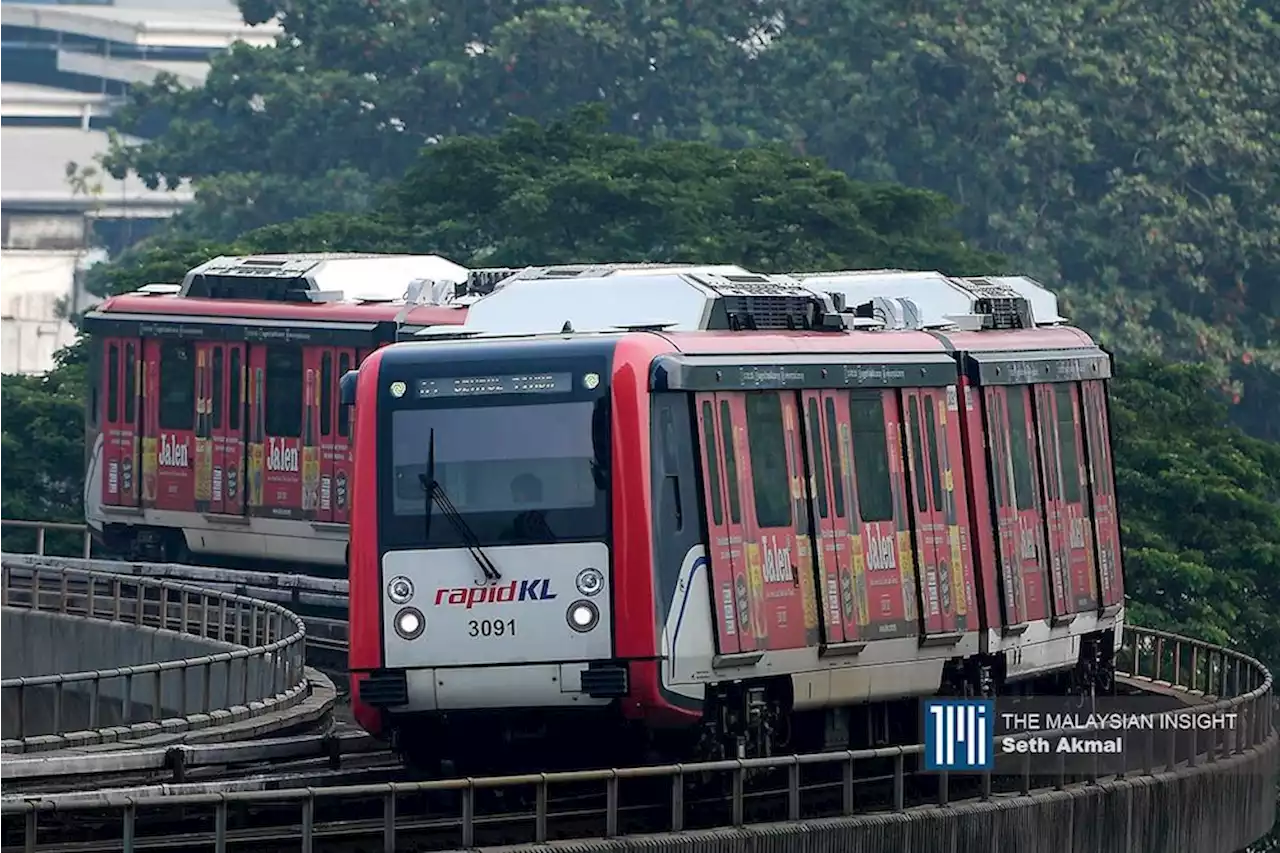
(65, 68)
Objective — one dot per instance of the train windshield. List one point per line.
(516, 474)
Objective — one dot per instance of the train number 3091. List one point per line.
(492, 627)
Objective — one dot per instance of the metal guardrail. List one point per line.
(261, 669)
(323, 600)
(43, 527)
(1174, 662)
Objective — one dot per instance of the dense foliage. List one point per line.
(1122, 152)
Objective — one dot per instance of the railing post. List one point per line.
(40, 541)
(87, 548)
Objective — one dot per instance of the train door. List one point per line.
(335, 436)
(224, 420)
(1070, 529)
(779, 567)
(1021, 527)
(926, 498)
(204, 424)
(343, 444)
(1102, 490)
(312, 452)
(718, 457)
(276, 406)
(882, 554)
(826, 420)
(957, 559)
(121, 370)
(175, 386)
(1055, 512)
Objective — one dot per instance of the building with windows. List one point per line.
(63, 69)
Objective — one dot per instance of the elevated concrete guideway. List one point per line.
(92, 658)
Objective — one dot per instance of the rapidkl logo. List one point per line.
(537, 589)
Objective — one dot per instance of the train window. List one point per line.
(1020, 448)
(1069, 446)
(344, 412)
(833, 448)
(871, 457)
(113, 383)
(284, 392)
(770, 481)
(713, 467)
(326, 393)
(234, 403)
(819, 461)
(1096, 418)
(935, 463)
(130, 383)
(730, 462)
(217, 387)
(917, 452)
(177, 386)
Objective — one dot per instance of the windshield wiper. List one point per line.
(435, 495)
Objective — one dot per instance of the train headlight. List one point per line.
(400, 590)
(582, 616)
(590, 581)
(410, 623)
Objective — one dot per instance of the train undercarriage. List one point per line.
(744, 719)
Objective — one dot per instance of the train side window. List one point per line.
(1019, 449)
(819, 461)
(234, 403)
(217, 388)
(730, 463)
(935, 462)
(326, 393)
(1068, 443)
(713, 468)
(284, 392)
(130, 383)
(917, 451)
(177, 386)
(113, 383)
(833, 448)
(1096, 419)
(770, 481)
(871, 457)
(344, 412)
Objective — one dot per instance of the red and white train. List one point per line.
(213, 430)
(729, 513)
(213, 424)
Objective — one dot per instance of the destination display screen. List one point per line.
(477, 386)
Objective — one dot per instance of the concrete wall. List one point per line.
(33, 644)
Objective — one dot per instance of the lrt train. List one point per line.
(213, 430)
(213, 427)
(718, 514)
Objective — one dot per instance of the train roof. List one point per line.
(687, 299)
(361, 299)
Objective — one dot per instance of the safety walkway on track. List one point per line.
(97, 662)
(1179, 791)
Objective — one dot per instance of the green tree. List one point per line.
(569, 191)
(1121, 153)
(343, 102)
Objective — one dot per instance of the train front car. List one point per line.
(481, 538)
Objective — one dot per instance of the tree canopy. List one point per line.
(1121, 153)
(568, 192)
